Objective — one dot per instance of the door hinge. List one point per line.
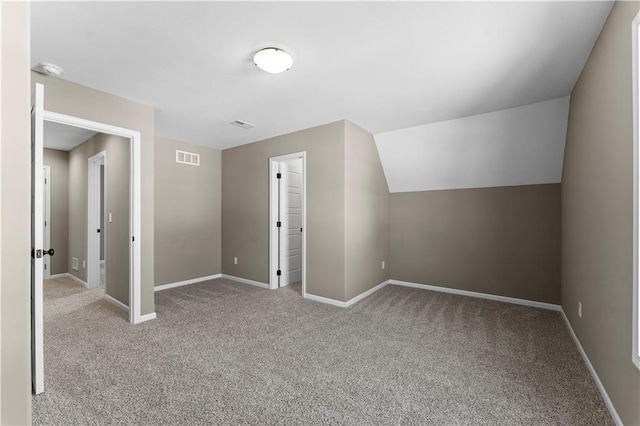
(278, 176)
(278, 272)
(278, 224)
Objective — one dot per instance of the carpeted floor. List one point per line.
(227, 353)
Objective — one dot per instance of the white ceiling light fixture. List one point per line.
(273, 60)
(50, 69)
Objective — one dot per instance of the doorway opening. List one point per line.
(129, 221)
(96, 229)
(287, 221)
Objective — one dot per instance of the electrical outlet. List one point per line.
(84, 264)
(579, 309)
(383, 264)
(235, 260)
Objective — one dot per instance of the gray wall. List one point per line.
(245, 207)
(80, 101)
(597, 212)
(366, 213)
(15, 223)
(187, 213)
(59, 224)
(503, 241)
(117, 232)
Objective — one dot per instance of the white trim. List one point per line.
(70, 276)
(635, 351)
(349, 302)
(513, 300)
(54, 276)
(273, 212)
(369, 292)
(186, 282)
(93, 217)
(245, 281)
(601, 388)
(47, 219)
(325, 300)
(116, 302)
(146, 317)
(135, 219)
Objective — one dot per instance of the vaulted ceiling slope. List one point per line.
(516, 146)
(383, 65)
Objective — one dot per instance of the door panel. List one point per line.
(37, 218)
(291, 211)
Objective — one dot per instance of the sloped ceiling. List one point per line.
(517, 146)
(382, 65)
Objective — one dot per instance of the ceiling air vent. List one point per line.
(242, 124)
(187, 158)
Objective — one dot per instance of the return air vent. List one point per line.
(74, 263)
(187, 158)
(242, 124)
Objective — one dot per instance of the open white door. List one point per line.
(37, 252)
(290, 232)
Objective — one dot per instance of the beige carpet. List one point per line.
(227, 353)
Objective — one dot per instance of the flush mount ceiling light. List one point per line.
(49, 69)
(273, 60)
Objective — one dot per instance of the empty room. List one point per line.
(319, 213)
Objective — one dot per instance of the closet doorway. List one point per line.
(287, 220)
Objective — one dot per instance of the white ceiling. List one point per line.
(383, 65)
(63, 137)
(517, 146)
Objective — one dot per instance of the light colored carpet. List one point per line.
(227, 353)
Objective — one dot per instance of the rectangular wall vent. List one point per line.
(187, 158)
(74, 263)
(242, 124)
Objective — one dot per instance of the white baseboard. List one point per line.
(70, 276)
(146, 317)
(349, 302)
(116, 302)
(369, 292)
(603, 391)
(186, 282)
(325, 300)
(245, 281)
(54, 276)
(505, 299)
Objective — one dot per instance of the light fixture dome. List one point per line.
(47, 68)
(273, 60)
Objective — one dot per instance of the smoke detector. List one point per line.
(49, 69)
(242, 124)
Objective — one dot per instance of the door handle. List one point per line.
(50, 252)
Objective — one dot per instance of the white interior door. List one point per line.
(291, 217)
(94, 231)
(47, 220)
(37, 218)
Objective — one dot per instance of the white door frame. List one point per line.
(93, 218)
(135, 279)
(273, 215)
(47, 220)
